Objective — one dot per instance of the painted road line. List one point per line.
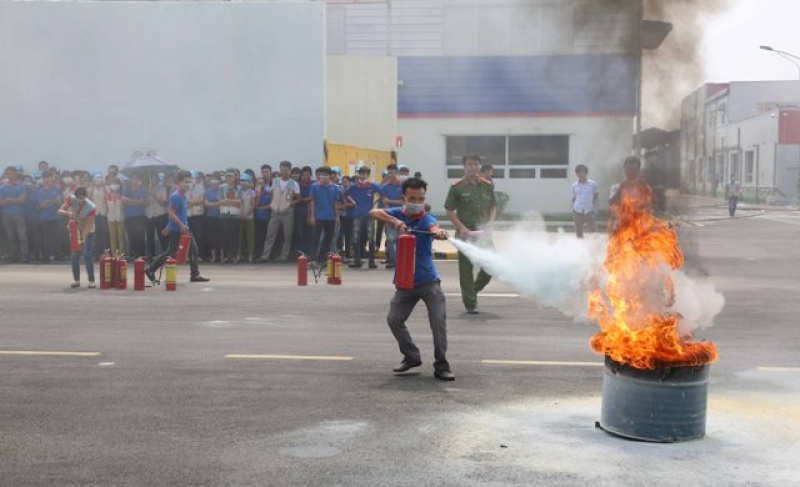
(486, 295)
(287, 357)
(778, 369)
(542, 362)
(33, 353)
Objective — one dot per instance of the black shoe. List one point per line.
(445, 375)
(405, 366)
(198, 279)
(355, 266)
(472, 311)
(389, 266)
(373, 265)
(151, 276)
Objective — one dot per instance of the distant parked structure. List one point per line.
(750, 129)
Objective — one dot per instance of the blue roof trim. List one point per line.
(526, 84)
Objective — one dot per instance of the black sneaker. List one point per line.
(406, 365)
(445, 375)
(390, 266)
(198, 279)
(356, 265)
(472, 311)
(372, 265)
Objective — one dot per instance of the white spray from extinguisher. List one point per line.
(552, 268)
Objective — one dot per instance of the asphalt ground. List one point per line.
(251, 380)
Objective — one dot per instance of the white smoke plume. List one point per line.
(557, 269)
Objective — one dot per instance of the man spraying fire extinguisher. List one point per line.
(411, 218)
(81, 213)
(177, 225)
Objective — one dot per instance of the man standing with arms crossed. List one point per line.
(471, 206)
(584, 200)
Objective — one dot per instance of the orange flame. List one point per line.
(633, 306)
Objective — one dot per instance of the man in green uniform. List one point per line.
(470, 205)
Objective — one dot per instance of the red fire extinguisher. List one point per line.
(105, 271)
(183, 249)
(336, 262)
(122, 282)
(406, 260)
(138, 274)
(302, 270)
(114, 271)
(74, 236)
(329, 267)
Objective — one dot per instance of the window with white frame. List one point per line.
(513, 156)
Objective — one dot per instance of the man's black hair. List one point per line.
(391, 167)
(487, 167)
(266, 166)
(581, 167)
(306, 169)
(632, 161)
(471, 157)
(182, 174)
(414, 183)
(80, 191)
(285, 164)
(324, 170)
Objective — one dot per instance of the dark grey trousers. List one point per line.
(400, 309)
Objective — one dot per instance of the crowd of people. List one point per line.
(234, 215)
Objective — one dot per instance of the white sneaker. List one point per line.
(75, 284)
(92, 285)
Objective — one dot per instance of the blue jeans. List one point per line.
(88, 246)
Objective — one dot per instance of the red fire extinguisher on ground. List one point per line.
(183, 249)
(114, 271)
(122, 282)
(138, 274)
(105, 271)
(74, 236)
(336, 262)
(302, 270)
(406, 260)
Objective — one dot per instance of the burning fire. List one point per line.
(633, 306)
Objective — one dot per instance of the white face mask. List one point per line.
(402, 177)
(324, 178)
(187, 185)
(114, 187)
(259, 187)
(215, 182)
(414, 208)
(67, 180)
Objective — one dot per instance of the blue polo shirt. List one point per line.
(305, 192)
(393, 191)
(212, 196)
(364, 196)
(264, 199)
(31, 212)
(13, 191)
(424, 269)
(135, 194)
(325, 198)
(177, 203)
(49, 213)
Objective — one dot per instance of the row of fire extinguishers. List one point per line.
(114, 269)
(404, 267)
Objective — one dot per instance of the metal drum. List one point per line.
(663, 405)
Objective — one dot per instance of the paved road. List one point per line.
(164, 403)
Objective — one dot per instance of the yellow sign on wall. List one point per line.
(349, 157)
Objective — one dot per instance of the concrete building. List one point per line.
(535, 87)
(750, 129)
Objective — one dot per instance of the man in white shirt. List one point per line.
(285, 195)
(584, 200)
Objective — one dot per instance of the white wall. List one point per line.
(599, 142)
(361, 101)
(208, 84)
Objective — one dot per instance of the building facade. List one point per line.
(534, 87)
(744, 129)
